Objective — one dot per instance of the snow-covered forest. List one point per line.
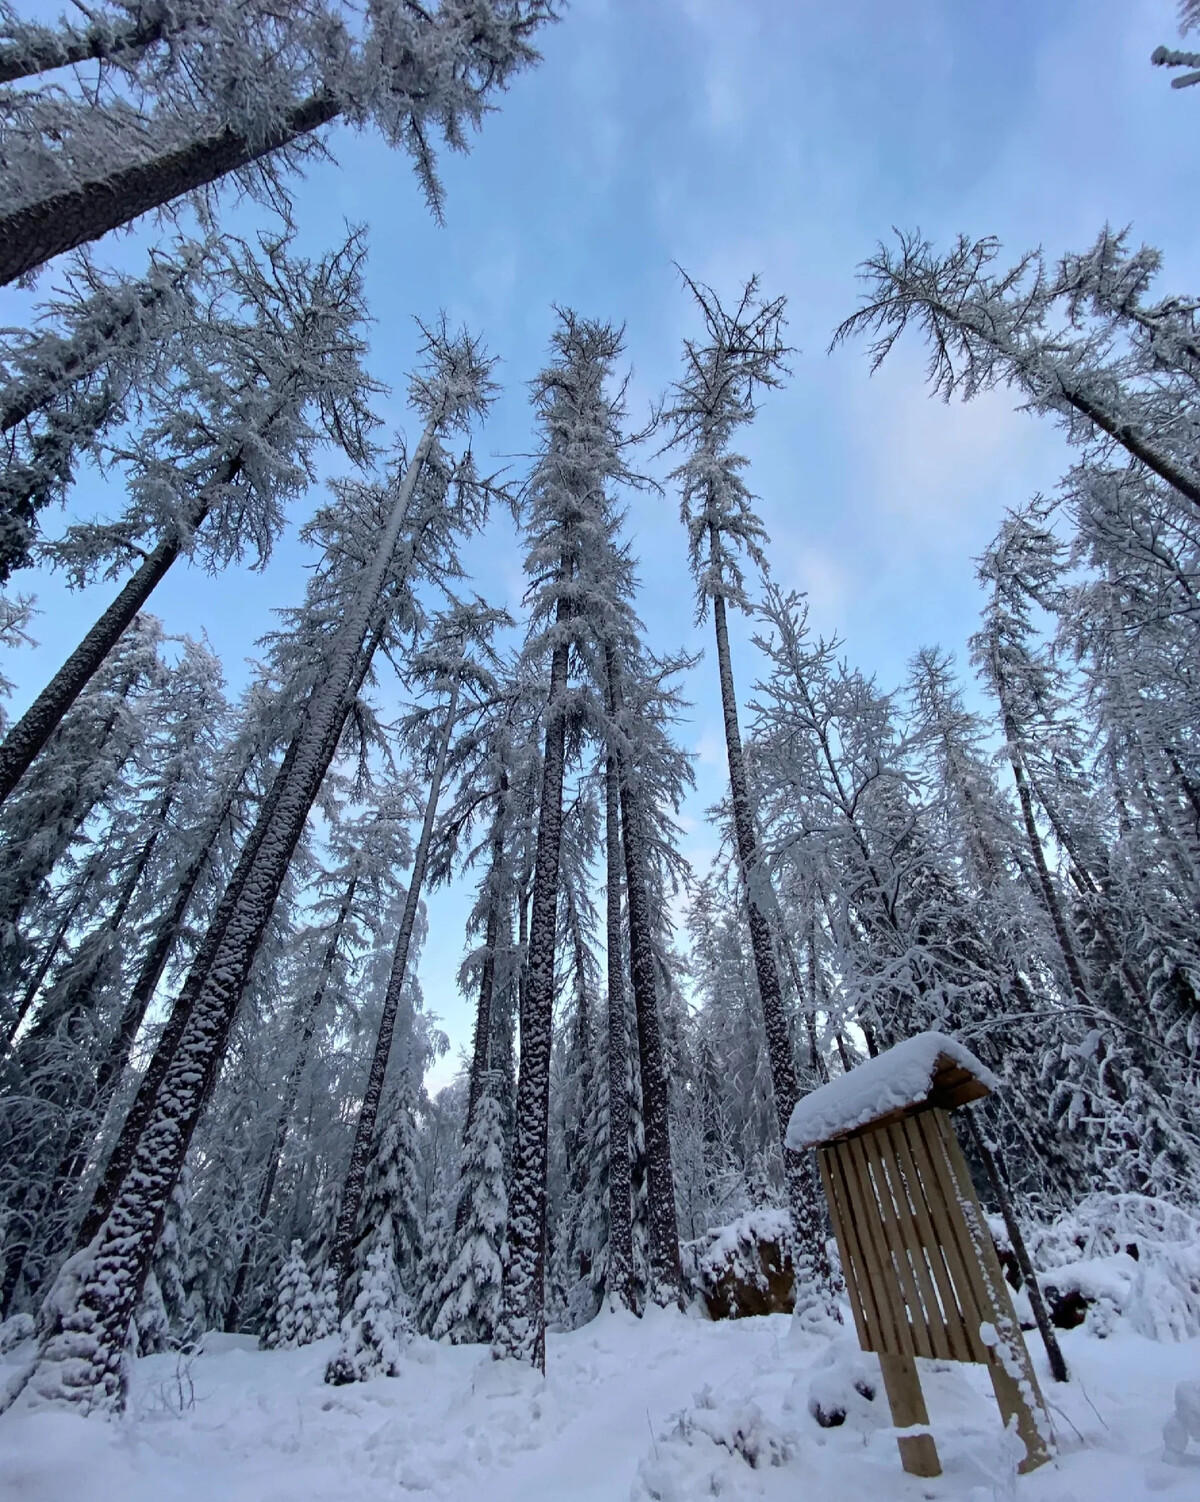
(234, 1200)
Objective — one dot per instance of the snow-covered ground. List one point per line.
(671, 1408)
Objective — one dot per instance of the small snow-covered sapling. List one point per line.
(1184, 1423)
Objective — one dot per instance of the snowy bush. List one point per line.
(325, 1306)
(377, 1329)
(745, 1268)
(684, 1465)
(15, 1330)
(1123, 1255)
(1184, 1423)
(842, 1389)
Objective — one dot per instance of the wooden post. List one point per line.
(918, 1453)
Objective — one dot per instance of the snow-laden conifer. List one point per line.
(740, 355)
(265, 371)
(190, 93)
(377, 1329)
(292, 1319)
(81, 1358)
(469, 1291)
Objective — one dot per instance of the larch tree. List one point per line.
(741, 354)
(81, 1356)
(270, 371)
(452, 664)
(190, 94)
(565, 519)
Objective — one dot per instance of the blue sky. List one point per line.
(779, 136)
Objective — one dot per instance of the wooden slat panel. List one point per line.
(925, 1321)
(904, 1195)
(865, 1283)
(897, 1333)
(843, 1231)
(960, 1344)
(947, 1221)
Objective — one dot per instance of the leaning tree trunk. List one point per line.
(49, 955)
(34, 234)
(142, 992)
(81, 1357)
(35, 727)
(291, 1092)
(521, 1329)
(620, 1179)
(812, 1260)
(1034, 840)
(665, 1273)
(342, 1252)
(45, 49)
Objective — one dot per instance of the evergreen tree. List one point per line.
(449, 395)
(293, 1321)
(741, 354)
(469, 1291)
(377, 1328)
(199, 92)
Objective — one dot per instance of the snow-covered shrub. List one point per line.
(1123, 1255)
(842, 1389)
(14, 1331)
(745, 1268)
(292, 1323)
(1184, 1423)
(153, 1328)
(684, 1465)
(377, 1329)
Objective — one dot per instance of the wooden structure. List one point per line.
(920, 1266)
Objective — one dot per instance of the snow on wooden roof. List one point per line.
(929, 1069)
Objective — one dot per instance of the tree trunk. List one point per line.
(141, 994)
(291, 1092)
(49, 955)
(1033, 838)
(665, 1273)
(620, 1184)
(39, 722)
(61, 221)
(49, 49)
(344, 1239)
(114, 1272)
(521, 1329)
(481, 1050)
(1058, 1365)
(812, 1260)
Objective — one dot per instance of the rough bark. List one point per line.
(36, 233)
(620, 1186)
(665, 1272)
(345, 1236)
(481, 1044)
(521, 1331)
(82, 1359)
